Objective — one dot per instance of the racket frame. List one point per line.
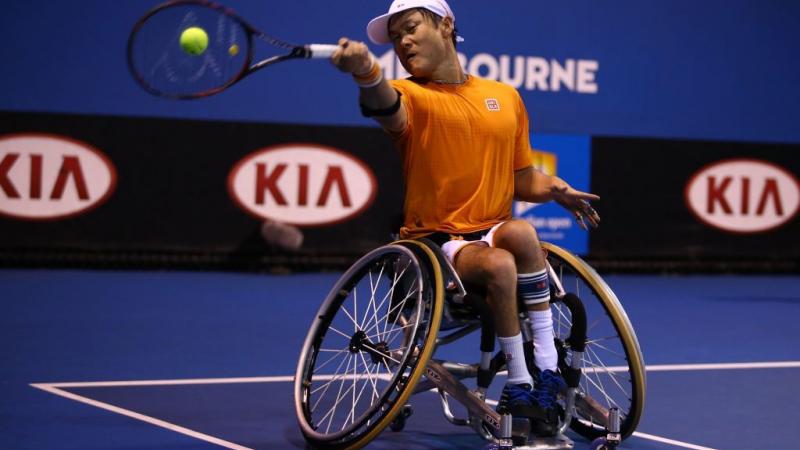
(248, 67)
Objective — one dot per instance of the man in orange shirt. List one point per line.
(464, 143)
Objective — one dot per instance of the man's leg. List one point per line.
(495, 269)
(519, 238)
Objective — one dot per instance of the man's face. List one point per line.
(419, 43)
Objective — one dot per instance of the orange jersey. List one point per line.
(459, 151)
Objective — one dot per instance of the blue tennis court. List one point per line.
(196, 360)
(161, 261)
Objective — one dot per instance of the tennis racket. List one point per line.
(162, 66)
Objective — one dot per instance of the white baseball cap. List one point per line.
(378, 28)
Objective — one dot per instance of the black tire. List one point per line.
(387, 339)
(613, 366)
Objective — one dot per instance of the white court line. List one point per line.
(170, 382)
(648, 436)
(694, 367)
(725, 366)
(664, 440)
(189, 381)
(55, 388)
(288, 378)
(142, 417)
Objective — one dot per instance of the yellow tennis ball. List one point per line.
(194, 40)
(233, 50)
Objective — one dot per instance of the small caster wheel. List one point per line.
(600, 444)
(399, 422)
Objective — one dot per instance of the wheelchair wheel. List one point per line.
(368, 346)
(613, 367)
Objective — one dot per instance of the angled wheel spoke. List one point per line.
(355, 323)
(352, 416)
(355, 309)
(383, 354)
(327, 385)
(336, 355)
(400, 305)
(397, 278)
(401, 331)
(374, 284)
(332, 411)
(371, 379)
(339, 332)
(373, 337)
(336, 377)
(371, 305)
(598, 384)
(591, 326)
(596, 343)
(384, 319)
(612, 375)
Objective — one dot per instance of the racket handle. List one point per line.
(321, 50)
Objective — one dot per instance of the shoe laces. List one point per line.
(547, 387)
(517, 393)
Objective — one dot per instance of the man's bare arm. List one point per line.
(532, 185)
(375, 94)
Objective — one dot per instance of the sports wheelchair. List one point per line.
(371, 346)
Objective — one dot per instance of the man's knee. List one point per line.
(516, 234)
(520, 238)
(500, 269)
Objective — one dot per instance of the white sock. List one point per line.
(515, 359)
(544, 349)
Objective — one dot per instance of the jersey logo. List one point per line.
(492, 104)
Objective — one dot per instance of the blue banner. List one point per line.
(567, 157)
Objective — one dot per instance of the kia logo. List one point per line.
(48, 177)
(743, 195)
(302, 184)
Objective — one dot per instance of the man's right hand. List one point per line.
(375, 92)
(352, 57)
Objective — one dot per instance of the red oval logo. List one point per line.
(743, 195)
(302, 185)
(48, 177)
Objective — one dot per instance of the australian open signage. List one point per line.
(567, 157)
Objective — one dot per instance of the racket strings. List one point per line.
(164, 67)
(275, 41)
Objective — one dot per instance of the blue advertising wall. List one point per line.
(715, 69)
(568, 157)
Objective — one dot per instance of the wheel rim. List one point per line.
(363, 346)
(612, 366)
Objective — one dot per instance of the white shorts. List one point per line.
(451, 248)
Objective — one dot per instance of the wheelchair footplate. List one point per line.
(522, 440)
(557, 442)
(504, 432)
(519, 439)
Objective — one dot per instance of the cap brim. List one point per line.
(378, 29)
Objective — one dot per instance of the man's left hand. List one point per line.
(576, 202)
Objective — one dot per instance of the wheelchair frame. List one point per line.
(439, 303)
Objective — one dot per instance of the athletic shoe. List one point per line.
(521, 402)
(548, 385)
(518, 400)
